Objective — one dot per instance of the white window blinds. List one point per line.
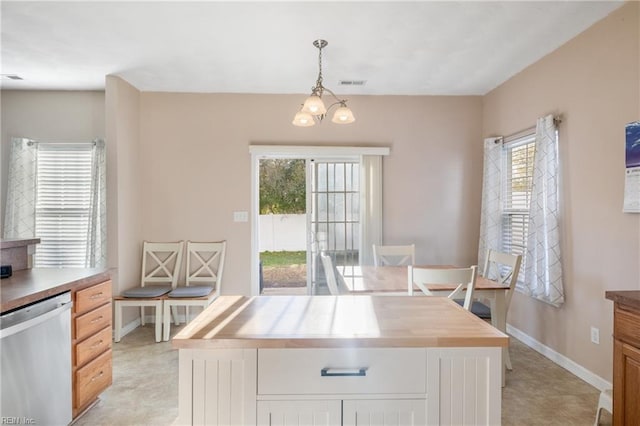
(517, 182)
(63, 203)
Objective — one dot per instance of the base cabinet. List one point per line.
(340, 387)
(626, 365)
(91, 343)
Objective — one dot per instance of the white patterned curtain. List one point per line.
(370, 206)
(20, 207)
(490, 215)
(543, 269)
(97, 233)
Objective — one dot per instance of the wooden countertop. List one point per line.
(628, 297)
(30, 285)
(18, 242)
(336, 321)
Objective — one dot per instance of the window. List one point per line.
(63, 205)
(517, 180)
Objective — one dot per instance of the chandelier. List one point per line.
(313, 108)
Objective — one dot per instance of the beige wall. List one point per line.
(124, 218)
(51, 116)
(593, 81)
(195, 168)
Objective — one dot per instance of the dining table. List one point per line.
(394, 280)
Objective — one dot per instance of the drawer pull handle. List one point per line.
(96, 296)
(341, 372)
(96, 345)
(97, 376)
(93, 321)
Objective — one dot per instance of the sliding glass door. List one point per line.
(343, 209)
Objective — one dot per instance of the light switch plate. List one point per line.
(241, 216)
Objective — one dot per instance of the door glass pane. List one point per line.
(335, 218)
(339, 177)
(321, 177)
(331, 176)
(339, 207)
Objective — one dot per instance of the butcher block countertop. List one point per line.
(31, 285)
(336, 322)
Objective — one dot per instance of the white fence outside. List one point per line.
(283, 232)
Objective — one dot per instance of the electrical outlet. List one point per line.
(595, 335)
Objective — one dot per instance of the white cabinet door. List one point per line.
(299, 413)
(401, 412)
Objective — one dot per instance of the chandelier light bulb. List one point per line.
(303, 119)
(343, 115)
(314, 105)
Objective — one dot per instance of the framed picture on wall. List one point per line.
(632, 168)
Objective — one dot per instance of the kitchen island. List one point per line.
(339, 360)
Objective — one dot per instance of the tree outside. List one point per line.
(282, 186)
(283, 191)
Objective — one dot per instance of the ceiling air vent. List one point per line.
(10, 77)
(352, 82)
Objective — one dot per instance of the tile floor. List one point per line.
(145, 391)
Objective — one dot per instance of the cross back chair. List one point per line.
(465, 278)
(503, 268)
(161, 264)
(336, 287)
(394, 255)
(203, 282)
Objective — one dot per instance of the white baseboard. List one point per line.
(564, 362)
(129, 327)
(149, 319)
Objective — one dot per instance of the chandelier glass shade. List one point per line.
(303, 119)
(314, 105)
(313, 110)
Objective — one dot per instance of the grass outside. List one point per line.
(284, 268)
(283, 258)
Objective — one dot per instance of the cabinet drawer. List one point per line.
(89, 323)
(627, 325)
(92, 297)
(342, 371)
(93, 346)
(92, 379)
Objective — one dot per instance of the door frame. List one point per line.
(259, 152)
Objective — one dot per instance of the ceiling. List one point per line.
(399, 48)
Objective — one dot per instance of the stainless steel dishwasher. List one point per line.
(35, 344)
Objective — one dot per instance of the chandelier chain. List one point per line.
(319, 86)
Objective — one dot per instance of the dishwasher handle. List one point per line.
(17, 328)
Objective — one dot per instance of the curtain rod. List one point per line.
(557, 119)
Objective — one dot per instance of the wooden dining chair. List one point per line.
(203, 281)
(394, 255)
(464, 278)
(161, 264)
